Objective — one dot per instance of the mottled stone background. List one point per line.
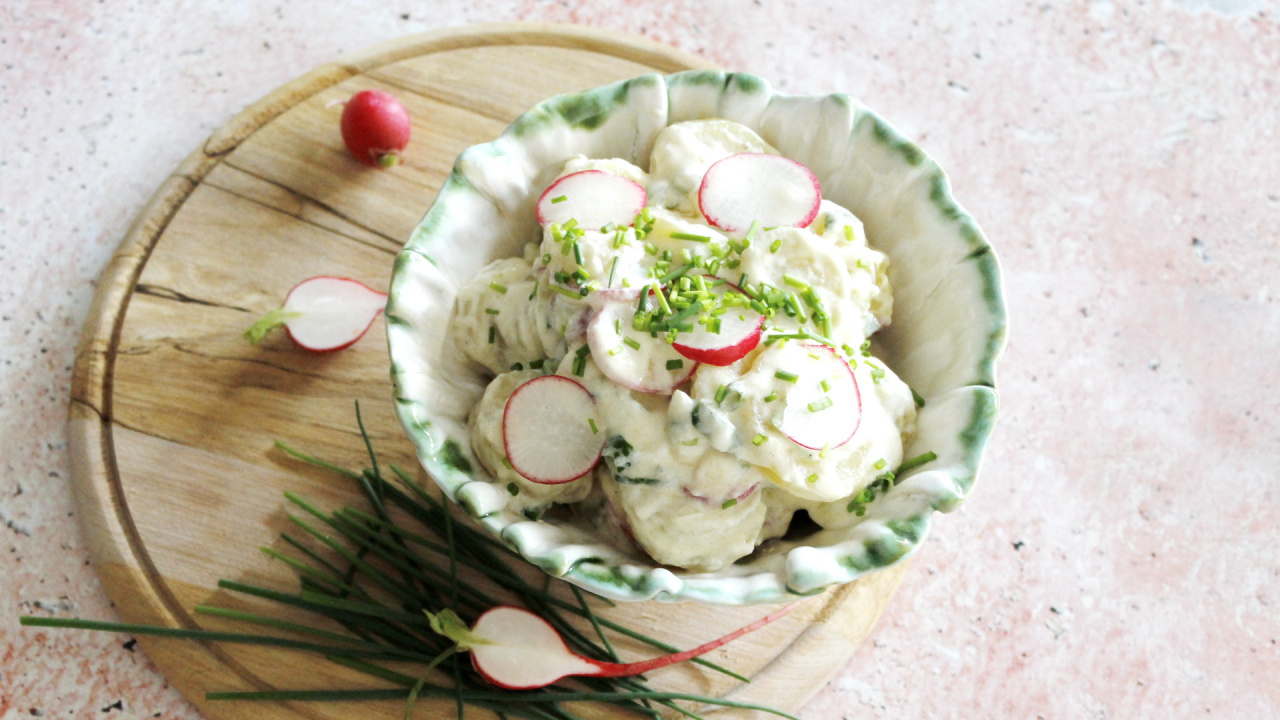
(1121, 556)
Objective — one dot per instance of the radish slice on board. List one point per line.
(633, 359)
(750, 187)
(551, 430)
(518, 650)
(740, 331)
(817, 417)
(592, 197)
(323, 314)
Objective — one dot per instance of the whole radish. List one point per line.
(375, 127)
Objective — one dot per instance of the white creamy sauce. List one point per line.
(698, 475)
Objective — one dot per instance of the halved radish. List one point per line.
(740, 331)
(592, 197)
(633, 359)
(323, 314)
(518, 650)
(815, 416)
(749, 187)
(551, 430)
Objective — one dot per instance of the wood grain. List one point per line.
(174, 417)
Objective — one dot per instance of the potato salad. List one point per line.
(684, 357)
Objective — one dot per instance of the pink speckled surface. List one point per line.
(1121, 556)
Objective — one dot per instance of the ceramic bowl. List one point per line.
(947, 333)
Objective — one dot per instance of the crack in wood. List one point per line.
(396, 244)
(171, 294)
(239, 358)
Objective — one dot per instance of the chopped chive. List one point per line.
(847, 350)
(820, 405)
(492, 333)
(751, 232)
(558, 199)
(786, 376)
(813, 478)
(917, 397)
(677, 273)
(513, 488)
(534, 292)
(758, 440)
(722, 393)
(823, 452)
(662, 299)
(826, 386)
(862, 263)
(577, 252)
(582, 351)
(594, 430)
(499, 287)
(675, 364)
(579, 366)
(690, 443)
(546, 258)
(690, 237)
(848, 233)
(651, 249)
(507, 462)
(777, 244)
(491, 311)
(517, 367)
(865, 348)
(615, 350)
(612, 269)
(536, 364)
(917, 461)
(617, 325)
(631, 343)
(877, 373)
(771, 397)
(795, 282)
(879, 464)
(566, 291)
(728, 503)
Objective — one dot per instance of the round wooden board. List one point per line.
(174, 416)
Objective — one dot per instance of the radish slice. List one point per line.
(551, 430)
(740, 331)
(633, 359)
(323, 314)
(592, 197)
(815, 417)
(749, 187)
(518, 650)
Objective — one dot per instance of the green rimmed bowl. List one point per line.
(947, 334)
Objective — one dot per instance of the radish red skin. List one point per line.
(375, 127)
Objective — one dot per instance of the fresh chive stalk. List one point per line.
(396, 570)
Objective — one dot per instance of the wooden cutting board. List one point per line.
(174, 417)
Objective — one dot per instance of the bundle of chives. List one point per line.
(395, 574)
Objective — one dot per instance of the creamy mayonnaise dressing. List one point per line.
(699, 474)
